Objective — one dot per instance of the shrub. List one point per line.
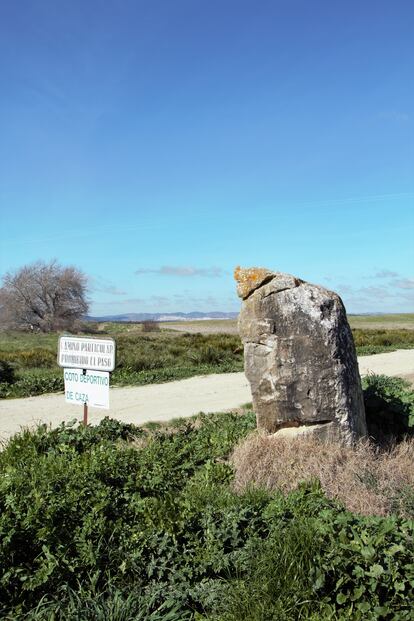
(376, 341)
(389, 407)
(37, 357)
(206, 354)
(344, 566)
(7, 373)
(76, 503)
(93, 527)
(33, 384)
(150, 326)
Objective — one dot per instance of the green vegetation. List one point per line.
(389, 406)
(373, 341)
(125, 523)
(147, 358)
(393, 321)
(141, 359)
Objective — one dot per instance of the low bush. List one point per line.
(141, 352)
(323, 563)
(368, 341)
(389, 407)
(33, 383)
(75, 503)
(31, 358)
(150, 326)
(7, 372)
(118, 522)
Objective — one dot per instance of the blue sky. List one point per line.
(156, 145)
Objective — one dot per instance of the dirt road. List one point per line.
(160, 402)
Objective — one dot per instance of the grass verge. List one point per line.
(124, 523)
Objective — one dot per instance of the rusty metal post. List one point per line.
(85, 406)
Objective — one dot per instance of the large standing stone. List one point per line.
(299, 357)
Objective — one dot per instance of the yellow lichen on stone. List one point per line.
(249, 279)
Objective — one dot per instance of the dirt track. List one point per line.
(160, 402)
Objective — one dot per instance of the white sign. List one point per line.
(91, 387)
(78, 352)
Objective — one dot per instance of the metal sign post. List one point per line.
(85, 407)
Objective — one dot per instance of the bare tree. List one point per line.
(43, 297)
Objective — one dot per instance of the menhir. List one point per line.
(299, 357)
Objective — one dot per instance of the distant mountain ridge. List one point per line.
(164, 316)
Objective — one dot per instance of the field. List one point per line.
(364, 322)
(200, 519)
(28, 361)
(141, 358)
(383, 322)
(208, 326)
(176, 523)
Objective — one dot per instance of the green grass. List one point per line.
(141, 359)
(375, 341)
(394, 321)
(151, 358)
(126, 523)
(20, 341)
(389, 406)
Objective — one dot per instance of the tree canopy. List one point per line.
(43, 296)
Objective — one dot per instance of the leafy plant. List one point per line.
(121, 522)
(389, 406)
(30, 358)
(7, 372)
(371, 341)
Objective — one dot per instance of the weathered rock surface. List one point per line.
(299, 357)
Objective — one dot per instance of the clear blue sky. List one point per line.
(158, 144)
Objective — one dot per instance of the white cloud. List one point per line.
(396, 116)
(182, 270)
(404, 283)
(386, 274)
(102, 285)
(384, 298)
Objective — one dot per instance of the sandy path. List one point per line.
(160, 402)
(397, 363)
(134, 404)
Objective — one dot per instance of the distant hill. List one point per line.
(164, 317)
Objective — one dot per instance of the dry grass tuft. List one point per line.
(366, 480)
